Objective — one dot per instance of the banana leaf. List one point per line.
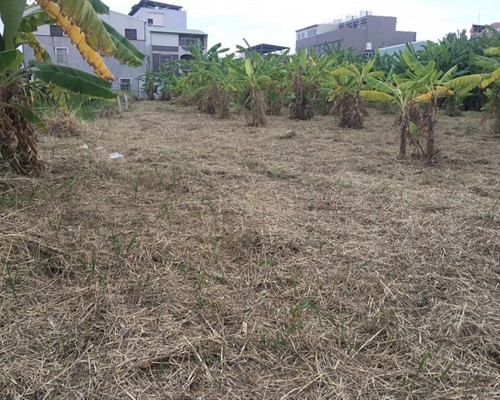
(11, 12)
(74, 80)
(10, 60)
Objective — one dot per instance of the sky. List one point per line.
(275, 22)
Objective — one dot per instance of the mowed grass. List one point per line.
(219, 261)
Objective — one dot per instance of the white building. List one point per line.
(168, 37)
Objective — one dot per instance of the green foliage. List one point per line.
(11, 13)
(73, 80)
(151, 84)
(10, 60)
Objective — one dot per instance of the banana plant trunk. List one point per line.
(404, 127)
(431, 149)
(17, 136)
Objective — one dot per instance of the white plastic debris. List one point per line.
(115, 155)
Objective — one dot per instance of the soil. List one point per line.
(219, 261)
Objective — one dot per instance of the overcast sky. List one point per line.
(275, 22)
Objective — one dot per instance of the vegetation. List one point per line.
(91, 36)
(451, 74)
(221, 261)
(293, 261)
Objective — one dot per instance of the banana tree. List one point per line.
(416, 95)
(492, 86)
(346, 83)
(488, 82)
(92, 37)
(207, 83)
(306, 74)
(150, 85)
(252, 78)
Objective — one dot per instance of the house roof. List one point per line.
(418, 45)
(153, 4)
(177, 31)
(267, 48)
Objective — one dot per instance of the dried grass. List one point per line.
(217, 261)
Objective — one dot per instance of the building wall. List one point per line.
(173, 19)
(166, 34)
(379, 31)
(164, 39)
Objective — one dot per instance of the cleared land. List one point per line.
(218, 261)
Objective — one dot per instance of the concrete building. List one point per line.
(364, 33)
(168, 37)
(481, 30)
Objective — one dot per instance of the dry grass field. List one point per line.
(219, 261)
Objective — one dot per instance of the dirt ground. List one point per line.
(219, 261)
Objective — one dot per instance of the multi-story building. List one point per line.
(168, 37)
(481, 30)
(158, 30)
(364, 33)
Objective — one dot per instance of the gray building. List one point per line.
(168, 37)
(364, 33)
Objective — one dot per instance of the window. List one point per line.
(62, 55)
(131, 34)
(125, 84)
(56, 30)
(311, 32)
(188, 41)
(156, 19)
(167, 58)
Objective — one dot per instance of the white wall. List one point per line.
(176, 20)
(164, 39)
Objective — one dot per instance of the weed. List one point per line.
(200, 301)
(117, 245)
(448, 368)
(164, 212)
(11, 279)
(175, 177)
(272, 342)
(91, 264)
(144, 281)
(131, 244)
(423, 360)
(351, 272)
(57, 225)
